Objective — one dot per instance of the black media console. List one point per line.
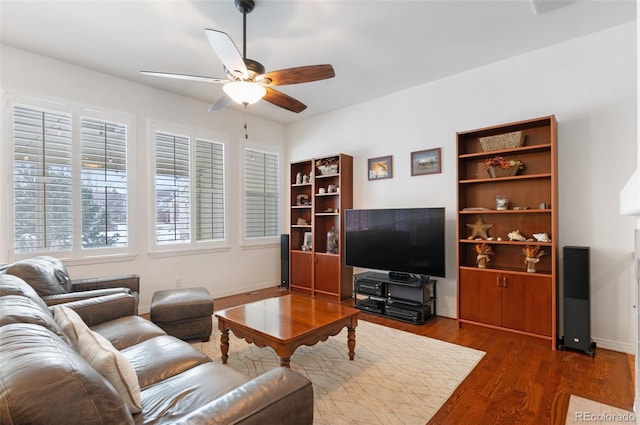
(411, 299)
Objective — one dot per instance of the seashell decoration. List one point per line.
(542, 237)
(516, 236)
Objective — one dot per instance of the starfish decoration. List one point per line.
(479, 229)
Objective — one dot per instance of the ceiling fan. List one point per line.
(247, 82)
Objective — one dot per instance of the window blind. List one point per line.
(103, 183)
(173, 208)
(42, 181)
(261, 201)
(209, 158)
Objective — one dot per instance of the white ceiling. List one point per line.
(375, 47)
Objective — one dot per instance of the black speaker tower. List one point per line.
(576, 304)
(284, 261)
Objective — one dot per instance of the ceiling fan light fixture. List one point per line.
(244, 92)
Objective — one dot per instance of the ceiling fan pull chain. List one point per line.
(246, 135)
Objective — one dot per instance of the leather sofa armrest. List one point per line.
(96, 310)
(77, 296)
(279, 396)
(131, 281)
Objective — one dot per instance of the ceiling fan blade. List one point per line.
(227, 52)
(284, 101)
(185, 77)
(301, 74)
(219, 104)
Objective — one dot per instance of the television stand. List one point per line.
(412, 300)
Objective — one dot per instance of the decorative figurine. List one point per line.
(305, 179)
(299, 178)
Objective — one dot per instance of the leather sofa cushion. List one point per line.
(18, 309)
(162, 357)
(176, 397)
(112, 365)
(138, 330)
(44, 381)
(47, 275)
(13, 285)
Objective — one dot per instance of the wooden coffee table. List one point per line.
(287, 322)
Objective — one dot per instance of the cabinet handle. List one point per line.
(504, 285)
(498, 281)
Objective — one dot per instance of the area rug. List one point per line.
(396, 377)
(582, 410)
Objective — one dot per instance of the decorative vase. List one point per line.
(332, 241)
(531, 264)
(482, 261)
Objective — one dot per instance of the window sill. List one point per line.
(188, 251)
(102, 259)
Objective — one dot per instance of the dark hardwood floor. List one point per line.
(520, 380)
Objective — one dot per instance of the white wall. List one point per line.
(589, 84)
(235, 270)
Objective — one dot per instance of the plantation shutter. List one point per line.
(42, 179)
(104, 183)
(209, 157)
(172, 188)
(261, 194)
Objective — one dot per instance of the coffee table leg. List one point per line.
(351, 342)
(284, 361)
(224, 345)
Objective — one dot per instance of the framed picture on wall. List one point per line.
(426, 162)
(381, 168)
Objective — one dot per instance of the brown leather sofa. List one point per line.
(44, 379)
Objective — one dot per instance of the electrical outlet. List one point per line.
(179, 282)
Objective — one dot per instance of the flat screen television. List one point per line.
(404, 241)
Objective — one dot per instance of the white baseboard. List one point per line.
(614, 345)
(226, 293)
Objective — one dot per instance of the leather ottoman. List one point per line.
(183, 312)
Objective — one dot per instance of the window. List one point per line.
(210, 190)
(64, 169)
(104, 183)
(261, 194)
(42, 180)
(173, 209)
(189, 190)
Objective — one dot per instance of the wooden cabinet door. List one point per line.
(327, 277)
(301, 270)
(481, 296)
(527, 303)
